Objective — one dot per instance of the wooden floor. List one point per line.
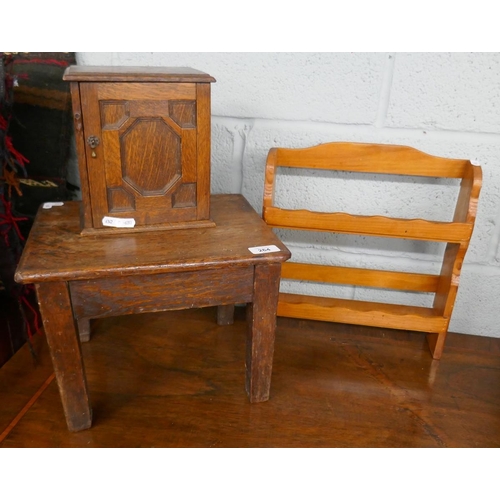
(177, 380)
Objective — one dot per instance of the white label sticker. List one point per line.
(50, 204)
(264, 249)
(117, 222)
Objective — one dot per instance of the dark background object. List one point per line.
(35, 138)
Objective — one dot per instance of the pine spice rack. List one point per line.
(377, 159)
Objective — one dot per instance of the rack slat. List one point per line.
(373, 225)
(373, 278)
(355, 312)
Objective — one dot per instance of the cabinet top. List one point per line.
(135, 74)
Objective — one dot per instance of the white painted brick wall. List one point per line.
(446, 104)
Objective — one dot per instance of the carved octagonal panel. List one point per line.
(151, 156)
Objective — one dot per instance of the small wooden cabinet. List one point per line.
(143, 145)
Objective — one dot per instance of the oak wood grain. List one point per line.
(143, 146)
(78, 279)
(225, 314)
(136, 74)
(261, 318)
(62, 338)
(203, 150)
(86, 208)
(238, 227)
(179, 384)
(136, 294)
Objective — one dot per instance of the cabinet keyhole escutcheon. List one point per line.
(93, 142)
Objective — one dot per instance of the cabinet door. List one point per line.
(144, 165)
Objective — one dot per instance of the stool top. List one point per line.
(57, 251)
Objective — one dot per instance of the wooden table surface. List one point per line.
(56, 250)
(334, 386)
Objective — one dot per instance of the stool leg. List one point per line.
(225, 315)
(84, 329)
(64, 344)
(261, 318)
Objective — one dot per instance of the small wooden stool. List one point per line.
(82, 277)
